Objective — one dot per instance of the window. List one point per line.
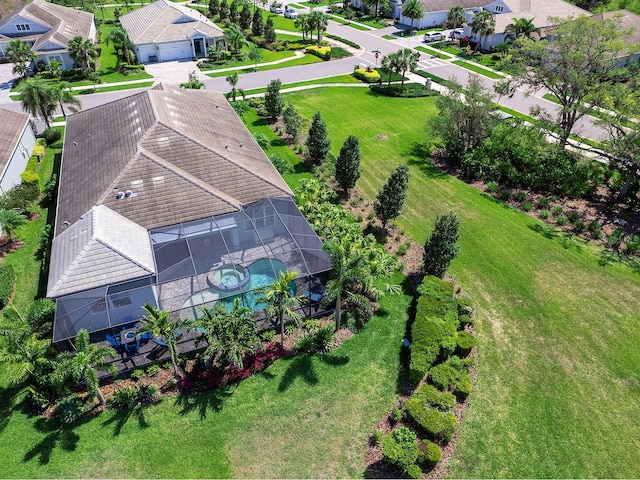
(499, 8)
(57, 58)
(23, 27)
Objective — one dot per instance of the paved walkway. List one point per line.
(6, 81)
(174, 73)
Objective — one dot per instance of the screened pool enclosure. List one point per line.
(203, 263)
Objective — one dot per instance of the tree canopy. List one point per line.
(391, 197)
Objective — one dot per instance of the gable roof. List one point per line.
(182, 154)
(164, 21)
(102, 247)
(13, 124)
(446, 5)
(65, 22)
(628, 21)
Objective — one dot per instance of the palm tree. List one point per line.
(229, 334)
(232, 80)
(65, 96)
(280, 300)
(373, 5)
(318, 21)
(484, 23)
(24, 354)
(521, 27)
(84, 363)
(157, 323)
(456, 17)
(38, 98)
(413, 9)
(83, 51)
(406, 59)
(304, 24)
(21, 55)
(11, 219)
(120, 39)
(349, 268)
(235, 37)
(390, 62)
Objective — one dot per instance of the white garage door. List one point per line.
(147, 53)
(175, 51)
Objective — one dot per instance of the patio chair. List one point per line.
(114, 341)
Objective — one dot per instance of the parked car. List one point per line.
(432, 36)
(275, 8)
(457, 34)
(290, 13)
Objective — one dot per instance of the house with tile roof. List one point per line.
(17, 140)
(436, 12)
(166, 198)
(163, 31)
(627, 21)
(47, 28)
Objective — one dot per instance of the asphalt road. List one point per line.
(369, 40)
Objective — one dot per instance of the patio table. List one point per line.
(128, 335)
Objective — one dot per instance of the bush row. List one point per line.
(366, 75)
(403, 449)
(432, 411)
(343, 40)
(409, 90)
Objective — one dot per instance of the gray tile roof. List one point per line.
(446, 5)
(628, 21)
(102, 247)
(164, 21)
(537, 11)
(183, 154)
(65, 22)
(11, 127)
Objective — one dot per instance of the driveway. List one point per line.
(173, 73)
(6, 80)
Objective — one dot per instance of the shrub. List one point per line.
(562, 220)
(322, 52)
(40, 317)
(573, 216)
(305, 344)
(433, 453)
(438, 424)
(465, 342)
(268, 336)
(343, 40)
(465, 320)
(338, 52)
(400, 448)
(404, 248)
(262, 140)
(615, 239)
(49, 189)
(543, 202)
(505, 194)
(580, 226)
(153, 370)
(367, 76)
(323, 338)
(409, 90)
(465, 305)
(413, 471)
(557, 210)
(69, 410)
(492, 187)
(447, 347)
(396, 414)
(20, 197)
(122, 398)
(632, 245)
(443, 376)
(51, 135)
(527, 206)
(281, 164)
(377, 436)
(29, 176)
(137, 374)
(543, 213)
(520, 196)
(7, 281)
(463, 387)
(595, 228)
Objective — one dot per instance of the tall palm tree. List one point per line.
(373, 5)
(413, 9)
(280, 300)
(456, 17)
(38, 98)
(232, 80)
(407, 59)
(11, 219)
(21, 55)
(83, 51)
(158, 323)
(484, 23)
(303, 23)
(235, 37)
(121, 40)
(390, 62)
(229, 334)
(84, 364)
(349, 268)
(64, 96)
(318, 21)
(521, 27)
(24, 354)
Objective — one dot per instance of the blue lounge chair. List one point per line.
(114, 341)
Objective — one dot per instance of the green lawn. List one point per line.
(318, 81)
(477, 69)
(433, 51)
(305, 60)
(107, 62)
(557, 319)
(281, 23)
(267, 56)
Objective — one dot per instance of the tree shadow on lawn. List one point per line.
(420, 155)
(121, 417)
(302, 366)
(8, 397)
(58, 435)
(608, 257)
(211, 400)
(568, 241)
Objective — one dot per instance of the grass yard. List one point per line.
(107, 62)
(433, 51)
(477, 69)
(319, 81)
(305, 60)
(558, 326)
(281, 23)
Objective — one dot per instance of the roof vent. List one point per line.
(119, 195)
(65, 224)
(128, 193)
(227, 147)
(75, 144)
(241, 145)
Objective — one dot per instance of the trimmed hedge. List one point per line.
(465, 342)
(409, 90)
(343, 40)
(452, 375)
(400, 448)
(322, 52)
(438, 424)
(29, 176)
(367, 76)
(433, 453)
(7, 281)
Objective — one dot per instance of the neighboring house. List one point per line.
(506, 11)
(47, 28)
(628, 21)
(164, 31)
(16, 145)
(436, 12)
(165, 197)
